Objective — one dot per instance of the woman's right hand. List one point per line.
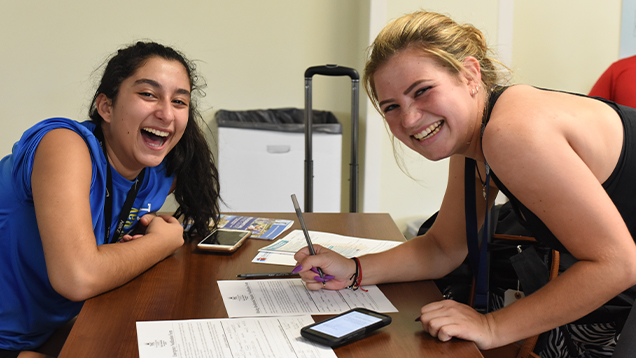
(140, 228)
(338, 270)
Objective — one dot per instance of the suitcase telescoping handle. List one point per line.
(331, 70)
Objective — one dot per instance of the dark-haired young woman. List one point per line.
(70, 193)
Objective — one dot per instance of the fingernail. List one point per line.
(329, 277)
(319, 279)
(297, 269)
(314, 270)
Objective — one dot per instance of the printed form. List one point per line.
(284, 297)
(275, 337)
(282, 251)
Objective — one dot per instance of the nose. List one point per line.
(165, 111)
(411, 117)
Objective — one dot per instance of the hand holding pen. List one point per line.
(336, 268)
(333, 260)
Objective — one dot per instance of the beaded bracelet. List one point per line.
(357, 277)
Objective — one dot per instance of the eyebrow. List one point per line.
(409, 89)
(156, 84)
(415, 84)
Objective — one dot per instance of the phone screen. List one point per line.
(345, 324)
(222, 237)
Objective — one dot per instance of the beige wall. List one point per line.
(254, 53)
(565, 44)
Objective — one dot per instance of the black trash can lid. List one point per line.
(278, 119)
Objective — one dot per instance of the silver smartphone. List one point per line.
(224, 240)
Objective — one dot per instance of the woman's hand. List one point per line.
(337, 269)
(140, 228)
(166, 227)
(175, 229)
(450, 319)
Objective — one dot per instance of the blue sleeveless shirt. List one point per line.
(30, 309)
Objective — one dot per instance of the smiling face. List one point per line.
(148, 116)
(432, 111)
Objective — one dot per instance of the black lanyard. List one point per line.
(108, 203)
(479, 256)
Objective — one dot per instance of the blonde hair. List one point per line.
(438, 35)
(448, 42)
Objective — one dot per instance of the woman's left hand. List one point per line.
(140, 228)
(450, 319)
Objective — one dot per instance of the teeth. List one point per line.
(429, 131)
(156, 132)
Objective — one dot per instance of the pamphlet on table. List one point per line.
(261, 228)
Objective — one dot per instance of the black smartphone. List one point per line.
(224, 240)
(345, 327)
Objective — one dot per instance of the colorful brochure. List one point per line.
(261, 228)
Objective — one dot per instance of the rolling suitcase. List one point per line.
(331, 70)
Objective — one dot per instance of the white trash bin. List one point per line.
(261, 160)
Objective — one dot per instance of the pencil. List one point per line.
(266, 274)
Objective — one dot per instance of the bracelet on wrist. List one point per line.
(357, 277)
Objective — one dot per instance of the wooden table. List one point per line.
(183, 286)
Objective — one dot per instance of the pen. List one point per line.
(266, 274)
(302, 225)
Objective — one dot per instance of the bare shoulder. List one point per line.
(63, 143)
(61, 156)
(64, 137)
(526, 107)
(516, 119)
(523, 107)
(531, 123)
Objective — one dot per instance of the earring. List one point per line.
(474, 91)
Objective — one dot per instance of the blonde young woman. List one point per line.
(565, 161)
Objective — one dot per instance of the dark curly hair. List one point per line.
(197, 178)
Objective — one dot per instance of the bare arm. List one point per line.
(77, 267)
(430, 256)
